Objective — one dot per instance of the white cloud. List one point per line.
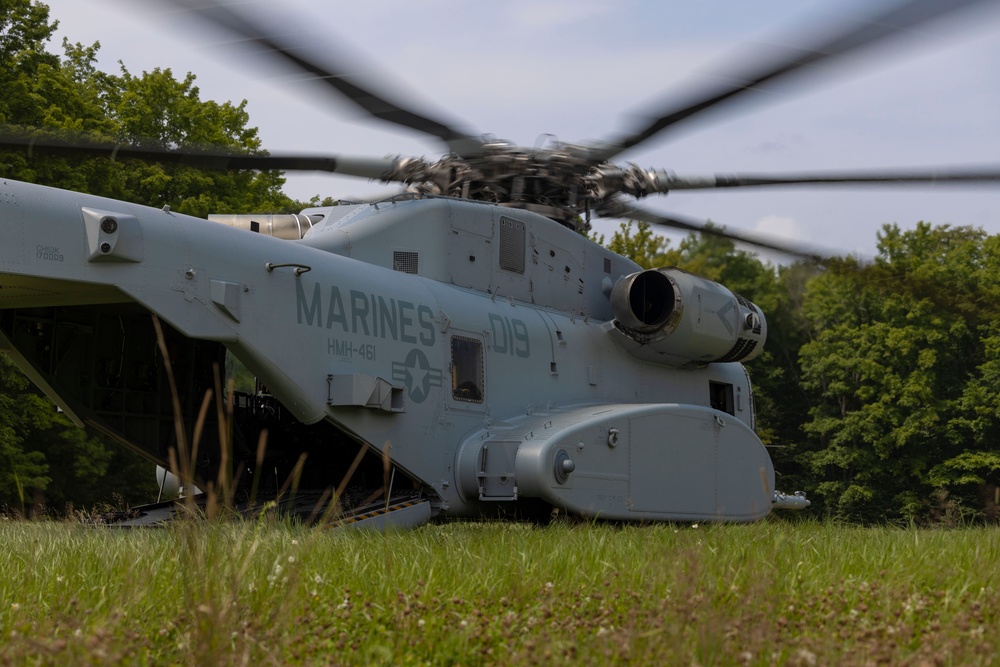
(780, 226)
(539, 16)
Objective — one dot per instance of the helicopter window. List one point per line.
(404, 261)
(721, 397)
(466, 369)
(512, 245)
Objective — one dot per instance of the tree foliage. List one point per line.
(900, 347)
(68, 97)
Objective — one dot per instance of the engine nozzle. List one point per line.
(675, 318)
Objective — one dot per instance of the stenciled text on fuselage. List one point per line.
(364, 314)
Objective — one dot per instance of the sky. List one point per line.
(585, 69)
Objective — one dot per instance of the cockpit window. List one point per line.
(466, 369)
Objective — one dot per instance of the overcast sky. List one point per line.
(580, 69)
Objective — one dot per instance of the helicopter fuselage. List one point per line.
(476, 348)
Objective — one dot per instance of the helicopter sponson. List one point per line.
(444, 357)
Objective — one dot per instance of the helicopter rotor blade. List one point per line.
(946, 176)
(900, 19)
(361, 94)
(641, 182)
(362, 167)
(619, 207)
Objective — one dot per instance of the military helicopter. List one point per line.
(455, 350)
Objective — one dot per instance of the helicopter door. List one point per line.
(468, 381)
(721, 397)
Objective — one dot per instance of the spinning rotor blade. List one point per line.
(644, 182)
(876, 28)
(374, 168)
(289, 49)
(620, 207)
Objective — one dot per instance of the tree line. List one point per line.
(878, 392)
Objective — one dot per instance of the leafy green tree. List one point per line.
(639, 243)
(70, 98)
(40, 448)
(971, 472)
(157, 109)
(895, 346)
(24, 30)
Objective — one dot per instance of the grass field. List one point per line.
(771, 593)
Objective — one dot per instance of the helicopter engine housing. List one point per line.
(672, 317)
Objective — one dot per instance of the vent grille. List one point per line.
(741, 350)
(511, 245)
(607, 265)
(405, 261)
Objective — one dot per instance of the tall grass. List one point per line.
(269, 592)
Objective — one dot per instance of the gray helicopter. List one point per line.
(458, 349)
